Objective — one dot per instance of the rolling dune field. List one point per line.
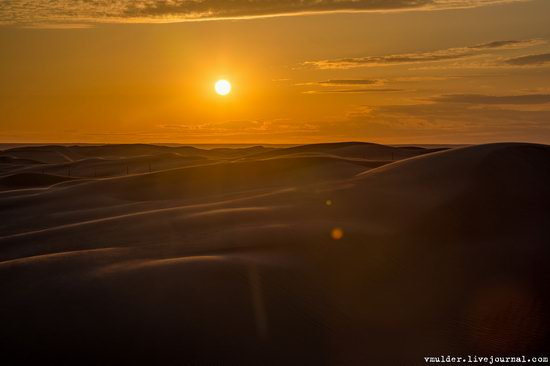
(336, 254)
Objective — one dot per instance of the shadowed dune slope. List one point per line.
(57, 154)
(43, 154)
(220, 179)
(8, 164)
(30, 180)
(444, 253)
(230, 177)
(351, 150)
(102, 167)
(95, 199)
(18, 161)
(89, 161)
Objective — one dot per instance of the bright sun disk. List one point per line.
(223, 87)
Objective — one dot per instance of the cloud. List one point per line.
(354, 86)
(344, 82)
(529, 60)
(407, 79)
(349, 82)
(424, 56)
(244, 128)
(441, 121)
(352, 91)
(492, 99)
(58, 26)
(149, 11)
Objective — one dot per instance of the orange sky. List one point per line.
(459, 71)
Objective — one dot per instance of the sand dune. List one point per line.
(46, 154)
(225, 178)
(89, 161)
(195, 184)
(9, 164)
(235, 261)
(353, 150)
(18, 161)
(29, 180)
(79, 152)
(100, 167)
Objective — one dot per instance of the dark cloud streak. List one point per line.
(530, 60)
(423, 56)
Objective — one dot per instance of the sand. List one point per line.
(327, 254)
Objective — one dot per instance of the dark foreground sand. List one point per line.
(142, 254)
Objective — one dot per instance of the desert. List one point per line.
(231, 260)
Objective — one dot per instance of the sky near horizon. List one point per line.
(395, 71)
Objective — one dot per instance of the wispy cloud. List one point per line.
(349, 82)
(412, 79)
(449, 121)
(423, 56)
(241, 128)
(58, 26)
(529, 60)
(352, 91)
(352, 86)
(26, 12)
(493, 99)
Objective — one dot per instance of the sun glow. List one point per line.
(223, 87)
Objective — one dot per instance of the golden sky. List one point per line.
(395, 71)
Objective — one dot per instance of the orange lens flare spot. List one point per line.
(337, 233)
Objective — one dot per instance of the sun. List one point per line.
(222, 87)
